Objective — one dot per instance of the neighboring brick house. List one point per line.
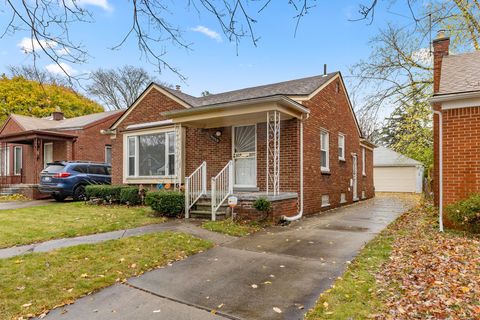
(456, 120)
(28, 143)
(297, 143)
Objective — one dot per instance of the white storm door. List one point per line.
(245, 156)
(354, 178)
(47, 153)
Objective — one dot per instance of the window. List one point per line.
(100, 170)
(17, 161)
(343, 197)
(324, 151)
(108, 154)
(325, 200)
(4, 161)
(341, 147)
(364, 160)
(151, 155)
(80, 168)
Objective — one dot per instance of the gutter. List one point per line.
(454, 96)
(440, 168)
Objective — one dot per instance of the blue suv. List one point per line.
(68, 178)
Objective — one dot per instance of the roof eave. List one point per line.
(454, 96)
(210, 108)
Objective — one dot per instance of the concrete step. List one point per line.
(207, 215)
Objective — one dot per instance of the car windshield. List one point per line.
(53, 168)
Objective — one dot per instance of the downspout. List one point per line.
(300, 213)
(440, 168)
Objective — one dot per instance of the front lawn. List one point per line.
(33, 284)
(232, 228)
(61, 220)
(409, 271)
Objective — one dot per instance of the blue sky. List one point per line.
(325, 35)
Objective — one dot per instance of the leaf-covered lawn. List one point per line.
(35, 283)
(409, 271)
(61, 220)
(232, 228)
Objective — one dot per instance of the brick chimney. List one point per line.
(57, 115)
(440, 49)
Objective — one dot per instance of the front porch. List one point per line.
(248, 150)
(25, 154)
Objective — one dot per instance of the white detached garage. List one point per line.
(394, 172)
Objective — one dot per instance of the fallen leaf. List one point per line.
(277, 310)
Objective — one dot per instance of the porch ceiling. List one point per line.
(238, 113)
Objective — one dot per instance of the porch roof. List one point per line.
(27, 137)
(238, 112)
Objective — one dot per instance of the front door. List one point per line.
(47, 153)
(354, 178)
(245, 156)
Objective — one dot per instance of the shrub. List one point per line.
(104, 191)
(262, 205)
(465, 214)
(130, 196)
(166, 203)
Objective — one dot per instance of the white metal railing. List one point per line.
(222, 187)
(195, 187)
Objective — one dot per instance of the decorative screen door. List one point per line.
(245, 155)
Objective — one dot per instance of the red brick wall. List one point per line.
(288, 207)
(461, 154)
(330, 110)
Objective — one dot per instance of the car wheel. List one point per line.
(79, 193)
(58, 198)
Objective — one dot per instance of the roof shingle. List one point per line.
(460, 73)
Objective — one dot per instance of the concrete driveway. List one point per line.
(279, 269)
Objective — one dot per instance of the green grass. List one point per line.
(61, 220)
(35, 283)
(354, 295)
(232, 228)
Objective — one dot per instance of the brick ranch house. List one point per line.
(297, 143)
(27, 144)
(456, 121)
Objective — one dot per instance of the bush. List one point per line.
(130, 196)
(166, 203)
(104, 191)
(465, 214)
(262, 205)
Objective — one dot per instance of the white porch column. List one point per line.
(178, 155)
(273, 153)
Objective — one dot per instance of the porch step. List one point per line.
(207, 215)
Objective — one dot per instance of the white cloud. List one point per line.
(423, 56)
(56, 69)
(104, 4)
(27, 45)
(209, 33)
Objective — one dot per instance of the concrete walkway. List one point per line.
(176, 225)
(7, 205)
(279, 269)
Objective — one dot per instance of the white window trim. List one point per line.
(136, 178)
(17, 171)
(107, 147)
(364, 159)
(326, 149)
(44, 149)
(5, 161)
(341, 157)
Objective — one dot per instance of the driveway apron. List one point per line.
(274, 274)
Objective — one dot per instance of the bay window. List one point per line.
(151, 155)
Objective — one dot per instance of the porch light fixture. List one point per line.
(218, 133)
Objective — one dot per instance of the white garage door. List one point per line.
(395, 179)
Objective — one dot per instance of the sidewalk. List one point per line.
(177, 225)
